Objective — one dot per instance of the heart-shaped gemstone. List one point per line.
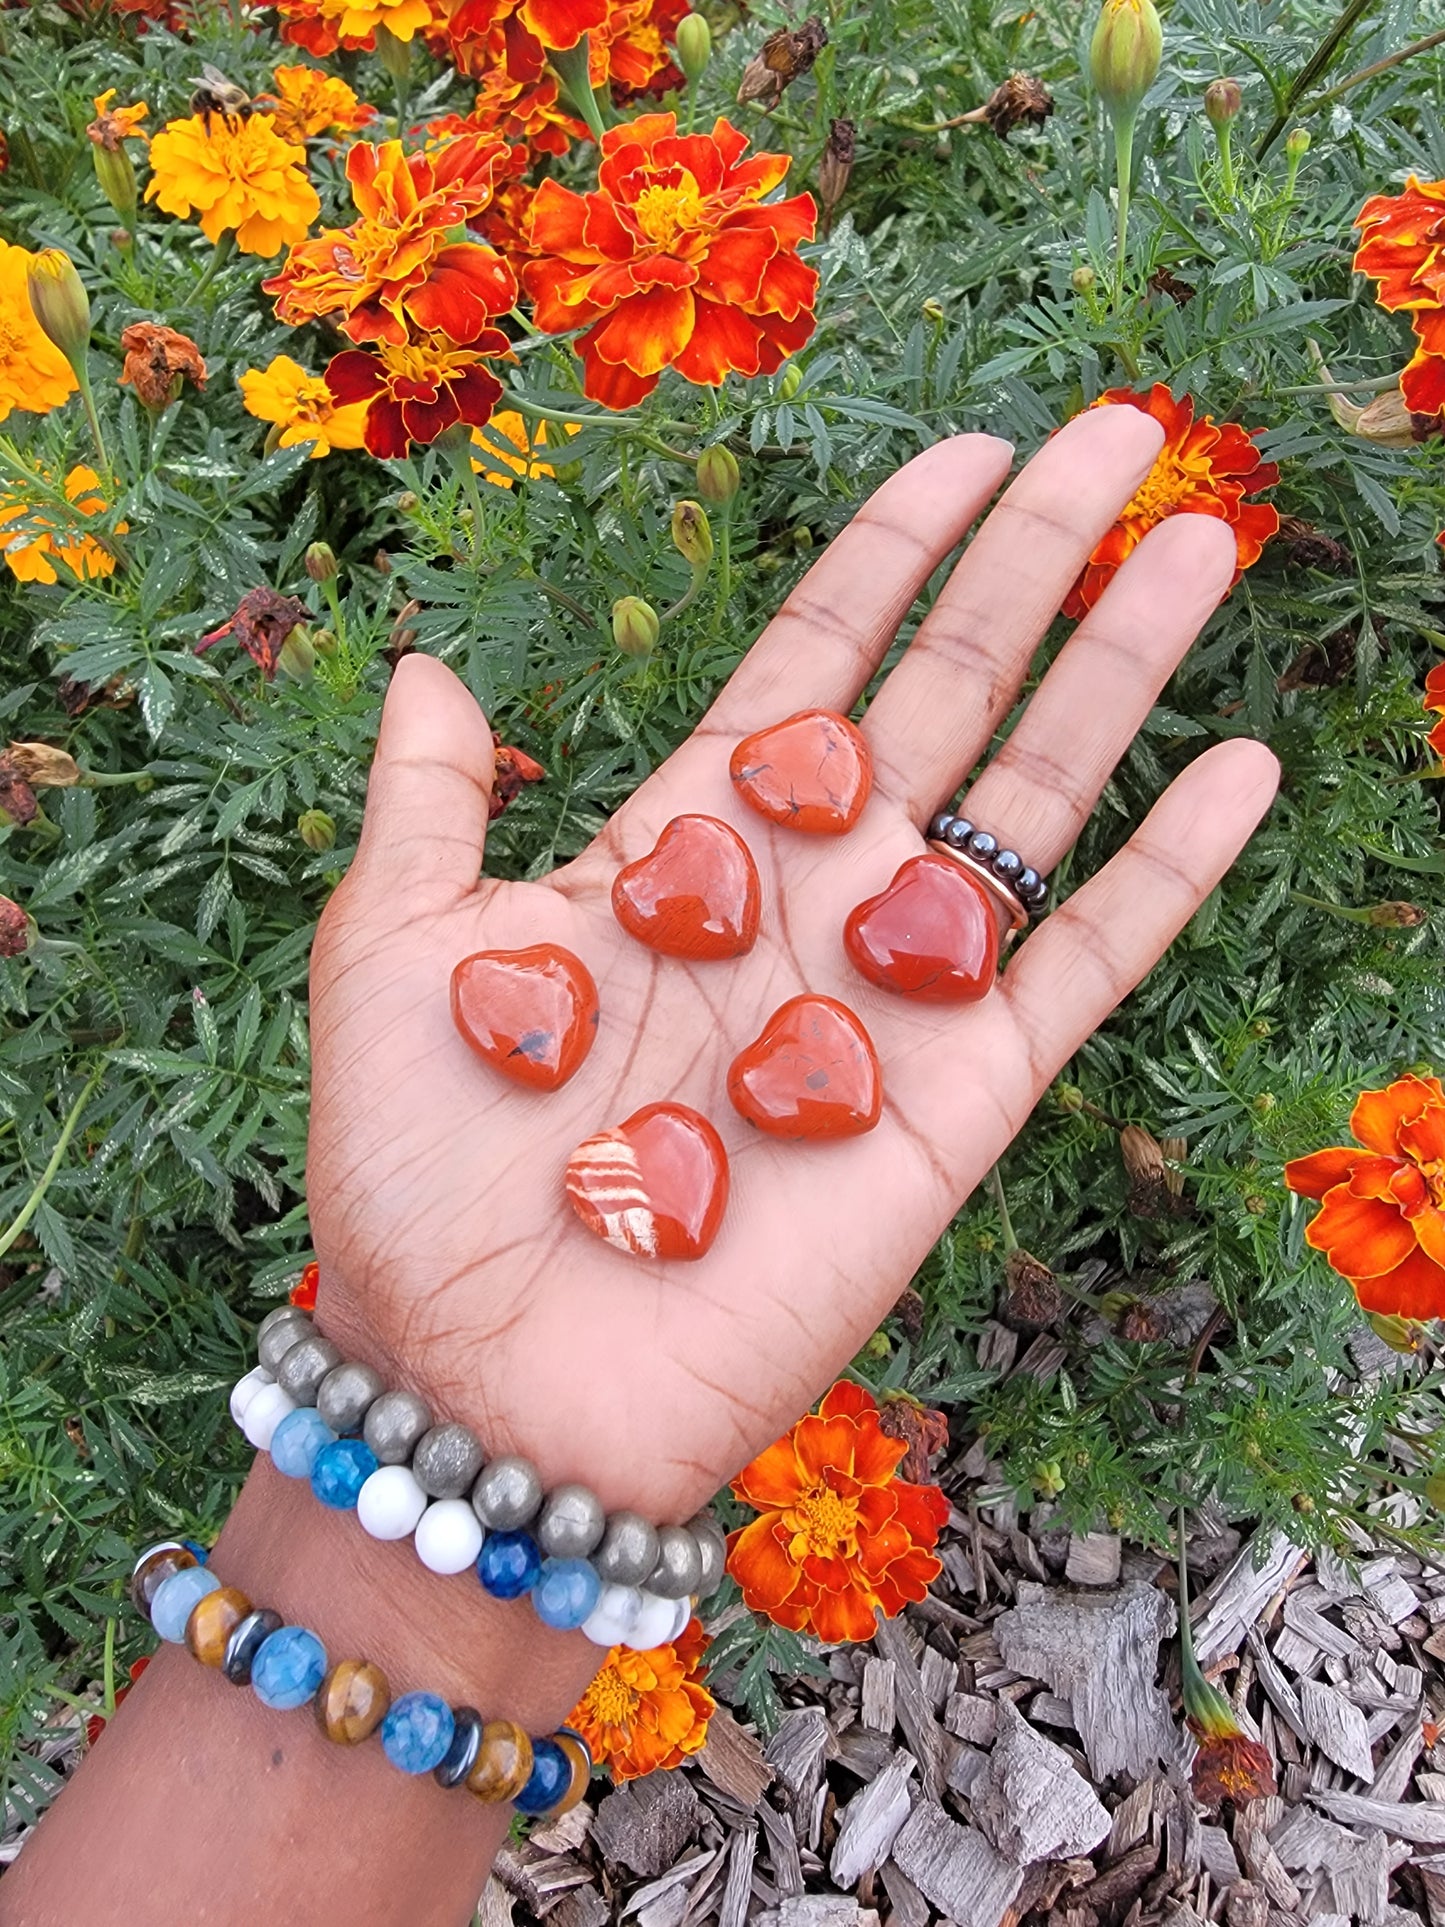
(695, 895)
(812, 772)
(532, 1014)
(931, 935)
(656, 1186)
(812, 1073)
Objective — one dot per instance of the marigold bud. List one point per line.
(17, 930)
(635, 626)
(117, 181)
(1222, 101)
(1048, 1478)
(1082, 279)
(59, 302)
(1434, 1489)
(408, 502)
(933, 310)
(321, 563)
(693, 41)
(1297, 143)
(792, 381)
(317, 830)
(394, 54)
(325, 644)
(43, 766)
(298, 654)
(1402, 1335)
(692, 533)
(718, 476)
(1124, 54)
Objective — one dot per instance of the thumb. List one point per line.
(431, 780)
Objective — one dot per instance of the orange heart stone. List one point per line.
(531, 1014)
(695, 895)
(812, 772)
(812, 1073)
(655, 1187)
(931, 935)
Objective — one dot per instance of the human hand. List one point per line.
(449, 1255)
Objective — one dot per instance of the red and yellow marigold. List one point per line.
(1381, 1221)
(840, 1537)
(1204, 468)
(527, 112)
(1402, 247)
(399, 267)
(321, 26)
(308, 102)
(674, 262)
(647, 1711)
(37, 535)
(416, 392)
(1435, 700)
(34, 375)
(301, 408)
(236, 174)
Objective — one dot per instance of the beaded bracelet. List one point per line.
(620, 1580)
(286, 1667)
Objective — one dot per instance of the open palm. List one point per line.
(449, 1254)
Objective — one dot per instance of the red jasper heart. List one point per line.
(695, 895)
(655, 1187)
(932, 935)
(812, 1073)
(531, 1014)
(812, 772)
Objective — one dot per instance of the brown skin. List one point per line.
(449, 1256)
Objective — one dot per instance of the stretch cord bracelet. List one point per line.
(620, 1580)
(287, 1667)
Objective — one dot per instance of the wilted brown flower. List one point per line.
(1230, 1766)
(512, 770)
(836, 166)
(1396, 915)
(1021, 99)
(17, 800)
(783, 57)
(43, 766)
(923, 1430)
(1031, 1292)
(1303, 546)
(76, 697)
(1137, 1321)
(157, 361)
(17, 931)
(263, 620)
(1155, 1191)
(1181, 293)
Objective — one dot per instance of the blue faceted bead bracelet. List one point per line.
(287, 1667)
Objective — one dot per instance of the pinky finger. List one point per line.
(1087, 957)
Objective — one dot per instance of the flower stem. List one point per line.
(1318, 62)
(461, 454)
(574, 69)
(995, 1184)
(220, 255)
(1226, 158)
(1377, 67)
(87, 399)
(62, 1145)
(1124, 173)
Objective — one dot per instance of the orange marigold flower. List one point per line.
(841, 1536)
(236, 173)
(167, 13)
(309, 102)
(301, 408)
(1228, 1765)
(519, 32)
(399, 265)
(34, 375)
(112, 125)
(321, 26)
(630, 53)
(528, 112)
(1202, 469)
(674, 262)
(35, 536)
(647, 1711)
(1402, 247)
(157, 361)
(303, 1292)
(414, 393)
(1382, 1220)
(509, 447)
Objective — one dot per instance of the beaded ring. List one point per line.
(287, 1667)
(620, 1580)
(1023, 889)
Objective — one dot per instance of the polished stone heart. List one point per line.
(931, 935)
(532, 1014)
(812, 772)
(695, 895)
(812, 1073)
(655, 1187)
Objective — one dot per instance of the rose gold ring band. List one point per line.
(1013, 910)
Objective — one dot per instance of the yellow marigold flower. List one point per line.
(507, 430)
(112, 125)
(355, 21)
(302, 407)
(38, 540)
(235, 173)
(34, 375)
(310, 102)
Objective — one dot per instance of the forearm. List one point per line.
(202, 1805)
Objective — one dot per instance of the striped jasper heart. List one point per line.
(655, 1186)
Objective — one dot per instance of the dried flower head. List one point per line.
(922, 1429)
(1021, 101)
(18, 804)
(113, 125)
(783, 58)
(263, 620)
(43, 766)
(512, 770)
(17, 929)
(1031, 1294)
(836, 165)
(158, 360)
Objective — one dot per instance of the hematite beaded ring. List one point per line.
(617, 1578)
(287, 1667)
(1023, 892)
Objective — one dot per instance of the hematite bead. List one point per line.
(938, 828)
(572, 1523)
(245, 1642)
(288, 1668)
(347, 1394)
(305, 1365)
(565, 1593)
(1007, 864)
(551, 1777)
(446, 1461)
(982, 845)
(175, 1600)
(297, 1440)
(507, 1494)
(278, 1339)
(155, 1565)
(1027, 879)
(508, 1564)
(341, 1470)
(958, 832)
(213, 1620)
(417, 1732)
(461, 1755)
(503, 1763)
(1036, 895)
(679, 1564)
(394, 1424)
(352, 1701)
(628, 1551)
